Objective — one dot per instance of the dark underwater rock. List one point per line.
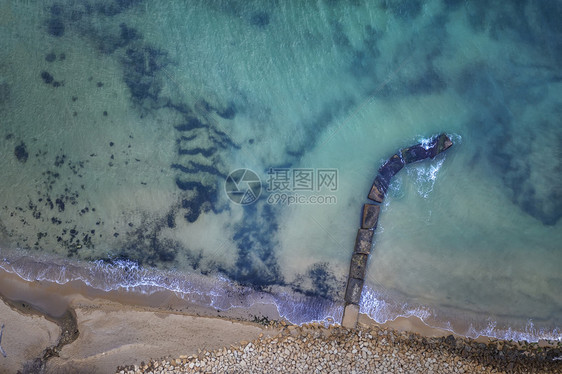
(55, 27)
(60, 205)
(21, 152)
(50, 57)
(259, 19)
(47, 78)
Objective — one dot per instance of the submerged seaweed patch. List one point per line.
(50, 57)
(201, 198)
(403, 10)
(536, 24)
(55, 27)
(257, 264)
(147, 246)
(141, 66)
(229, 112)
(319, 281)
(21, 152)
(259, 19)
(47, 77)
(514, 148)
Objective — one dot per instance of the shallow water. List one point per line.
(121, 121)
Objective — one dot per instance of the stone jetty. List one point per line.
(370, 216)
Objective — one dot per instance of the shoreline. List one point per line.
(114, 328)
(154, 326)
(366, 349)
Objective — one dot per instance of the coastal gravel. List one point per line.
(314, 348)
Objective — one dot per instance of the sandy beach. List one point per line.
(116, 329)
(124, 332)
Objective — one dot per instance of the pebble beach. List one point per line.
(314, 348)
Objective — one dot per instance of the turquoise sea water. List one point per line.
(121, 120)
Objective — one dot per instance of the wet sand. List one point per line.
(114, 328)
(126, 330)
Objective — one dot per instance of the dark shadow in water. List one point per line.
(259, 19)
(524, 155)
(403, 10)
(256, 239)
(319, 280)
(536, 23)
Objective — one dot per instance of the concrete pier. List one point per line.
(370, 217)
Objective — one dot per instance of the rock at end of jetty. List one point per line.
(363, 241)
(442, 143)
(370, 216)
(420, 152)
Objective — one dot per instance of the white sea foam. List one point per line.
(216, 290)
(383, 307)
(221, 293)
(425, 176)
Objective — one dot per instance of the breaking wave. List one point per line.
(215, 290)
(383, 307)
